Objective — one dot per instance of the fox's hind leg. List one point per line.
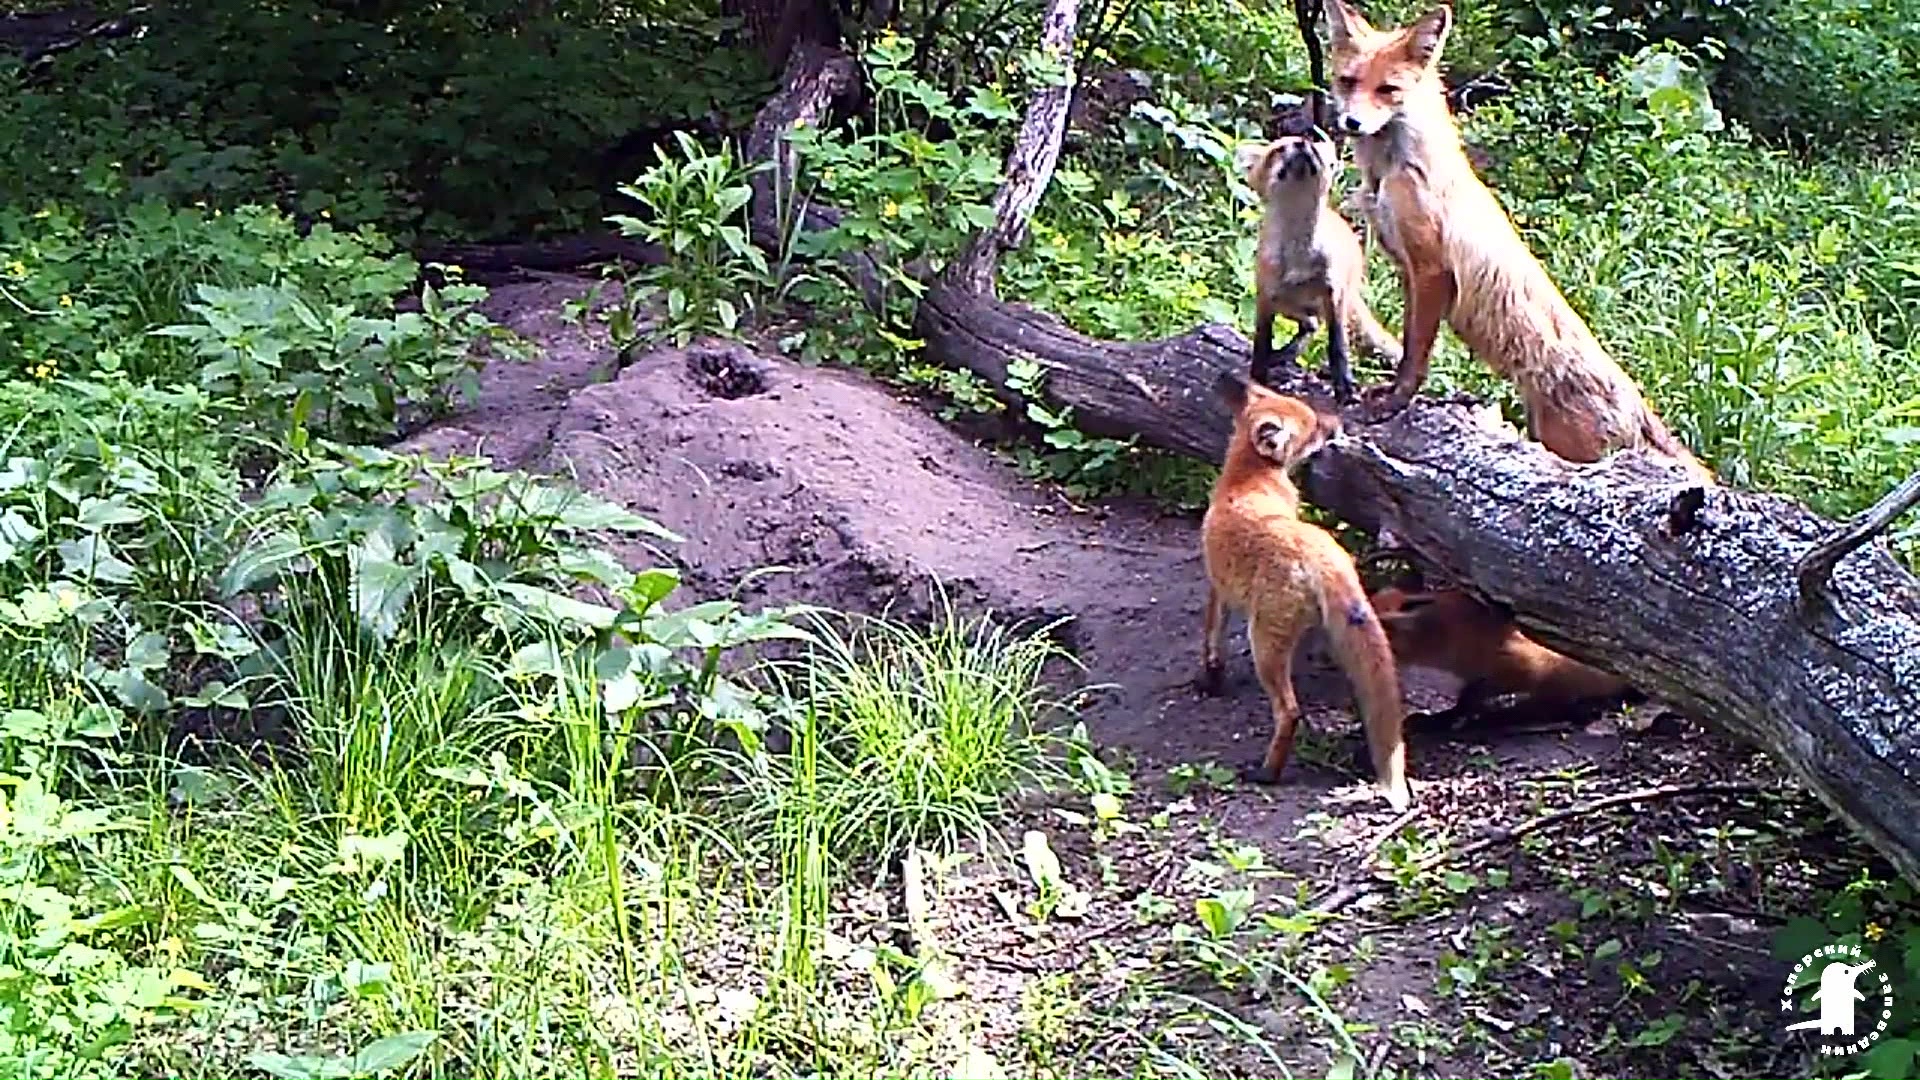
(1212, 667)
(1273, 662)
(1290, 352)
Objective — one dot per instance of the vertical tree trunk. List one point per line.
(776, 26)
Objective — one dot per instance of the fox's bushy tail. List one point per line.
(1368, 330)
(1360, 646)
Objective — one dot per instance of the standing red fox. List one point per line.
(1460, 258)
(1289, 576)
(1309, 265)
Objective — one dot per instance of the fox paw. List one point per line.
(1211, 680)
(1260, 773)
(1382, 403)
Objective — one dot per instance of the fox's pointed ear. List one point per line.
(1427, 37)
(1344, 24)
(1230, 389)
(1248, 156)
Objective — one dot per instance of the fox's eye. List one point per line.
(1390, 90)
(1346, 82)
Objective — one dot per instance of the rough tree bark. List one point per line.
(816, 77)
(1691, 593)
(777, 27)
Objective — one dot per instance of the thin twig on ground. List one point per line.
(1347, 894)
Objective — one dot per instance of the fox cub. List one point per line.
(1461, 260)
(1289, 576)
(1309, 265)
(1451, 630)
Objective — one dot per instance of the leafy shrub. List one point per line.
(265, 348)
(87, 295)
(1817, 72)
(261, 312)
(486, 120)
(378, 536)
(912, 191)
(112, 524)
(697, 216)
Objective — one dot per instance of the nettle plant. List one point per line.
(106, 547)
(912, 190)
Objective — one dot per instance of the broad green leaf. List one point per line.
(91, 558)
(563, 609)
(654, 585)
(104, 513)
(592, 564)
(382, 585)
(1891, 1059)
(148, 651)
(539, 658)
(135, 690)
(16, 532)
(261, 561)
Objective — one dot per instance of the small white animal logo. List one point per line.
(1836, 997)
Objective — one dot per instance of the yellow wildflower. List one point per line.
(325, 213)
(17, 268)
(892, 209)
(65, 300)
(1875, 931)
(43, 370)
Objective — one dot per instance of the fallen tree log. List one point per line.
(494, 262)
(1691, 593)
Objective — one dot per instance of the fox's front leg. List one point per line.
(1262, 366)
(1339, 370)
(1430, 293)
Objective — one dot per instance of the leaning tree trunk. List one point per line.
(1724, 602)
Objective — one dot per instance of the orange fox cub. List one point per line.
(1450, 630)
(1461, 261)
(1288, 576)
(1309, 265)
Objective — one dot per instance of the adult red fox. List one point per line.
(1461, 259)
(1289, 576)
